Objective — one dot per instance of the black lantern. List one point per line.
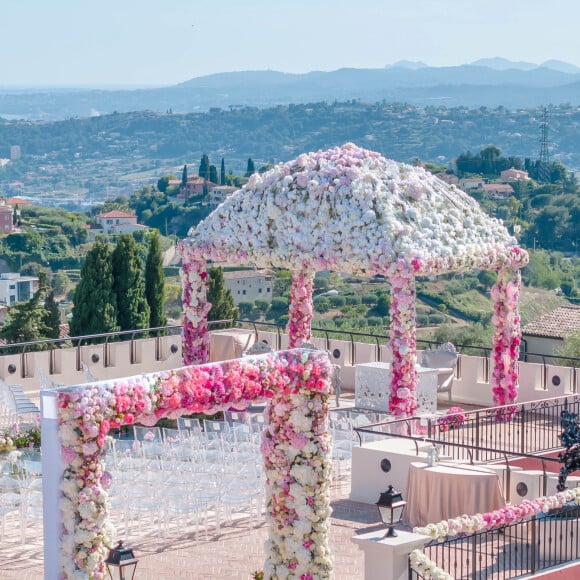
(391, 506)
(121, 563)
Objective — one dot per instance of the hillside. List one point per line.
(488, 82)
(122, 149)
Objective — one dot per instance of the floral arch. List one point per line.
(295, 446)
(352, 211)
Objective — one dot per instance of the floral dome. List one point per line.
(351, 210)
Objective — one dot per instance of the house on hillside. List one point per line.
(447, 177)
(116, 222)
(16, 288)
(544, 335)
(6, 219)
(469, 183)
(247, 285)
(510, 175)
(196, 187)
(19, 201)
(498, 190)
(220, 193)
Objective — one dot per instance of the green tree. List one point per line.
(128, 285)
(383, 305)
(251, 168)
(204, 167)
(95, 310)
(52, 316)
(163, 182)
(155, 283)
(184, 176)
(223, 173)
(213, 176)
(221, 299)
(570, 349)
(245, 307)
(61, 282)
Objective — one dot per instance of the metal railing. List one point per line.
(490, 434)
(378, 340)
(512, 551)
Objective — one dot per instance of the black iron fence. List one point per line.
(487, 434)
(378, 340)
(512, 551)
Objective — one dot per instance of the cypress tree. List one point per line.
(155, 283)
(94, 309)
(51, 316)
(204, 167)
(251, 169)
(222, 301)
(129, 286)
(184, 176)
(223, 173)
(213, 176)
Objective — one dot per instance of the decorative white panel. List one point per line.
(373, 381)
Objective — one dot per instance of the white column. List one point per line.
(51, 475)
(388, 557)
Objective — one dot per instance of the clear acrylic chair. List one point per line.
(242, 495)
(189, 424)
(31, 507)
(10, 499)
(150, 440)
(182, 506)
(208, 490)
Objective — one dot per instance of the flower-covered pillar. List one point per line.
(301, 308)
(507, 335)
(296, 447)
(195, 334)
(403, 343)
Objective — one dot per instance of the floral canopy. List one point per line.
(350, 210)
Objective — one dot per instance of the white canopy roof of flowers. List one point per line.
(350, 210)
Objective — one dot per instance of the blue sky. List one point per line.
(164, 42)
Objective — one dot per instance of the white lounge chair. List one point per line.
(444, 359)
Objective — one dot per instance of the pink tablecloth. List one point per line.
(447, 491)
(230, 343)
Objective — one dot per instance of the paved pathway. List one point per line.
(234, 554)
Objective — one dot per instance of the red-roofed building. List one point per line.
(18, 201)
(196, 187)
(544, 335)
(117, 222)
(514, 175)
(6, 217)
(498, 190)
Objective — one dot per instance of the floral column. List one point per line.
(507, 336)
(297, 458)
(301, 308)
(195, 334)
(403, 343)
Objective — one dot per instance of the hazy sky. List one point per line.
(164, 42)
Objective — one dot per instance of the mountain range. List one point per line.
(487, 82)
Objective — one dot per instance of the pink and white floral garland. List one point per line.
(301, 309)
(504, 516)
(298, 469)
(507, 336)
(509, 514)
(426, 568)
